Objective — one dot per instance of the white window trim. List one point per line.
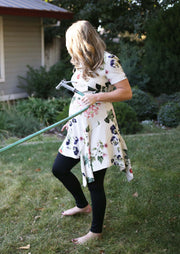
(2, 67)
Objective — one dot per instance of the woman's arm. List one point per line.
(121, 93)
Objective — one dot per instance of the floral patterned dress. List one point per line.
(93, 136)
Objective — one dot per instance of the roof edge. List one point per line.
(35, 13)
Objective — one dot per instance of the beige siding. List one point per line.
(53, 52)
(22, 47)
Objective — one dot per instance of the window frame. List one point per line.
(2, 66)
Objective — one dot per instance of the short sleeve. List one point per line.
(113, 69)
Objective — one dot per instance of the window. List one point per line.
(2, 72)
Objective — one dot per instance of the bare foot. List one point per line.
(76, 210)
(84, 239)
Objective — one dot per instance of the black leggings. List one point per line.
(62, 170)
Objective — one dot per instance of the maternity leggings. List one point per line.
(62, 170)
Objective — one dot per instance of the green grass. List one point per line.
(31, 201)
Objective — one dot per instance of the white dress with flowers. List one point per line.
(93, 136)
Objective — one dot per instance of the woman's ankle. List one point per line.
(95, 233)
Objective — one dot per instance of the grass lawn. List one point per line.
(141, 217)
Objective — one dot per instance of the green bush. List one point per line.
(17, 124)
(61, 70)
(131, 55)
(175, 97)
(165, 98)
(27, 116)
(169, 114)
(126, 118)
(45, 111)
(42, 83)
(63, 114)
(3, 120)
(37, 82)
(143, 104)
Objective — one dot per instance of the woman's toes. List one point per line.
(84, 239)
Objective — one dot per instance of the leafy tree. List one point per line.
(153, 18)
(161, 61)
(113, 15)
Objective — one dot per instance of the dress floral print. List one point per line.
(93, 136)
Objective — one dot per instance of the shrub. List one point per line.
(37, 82)
(63, 114)
(3, 120)
(169, 114)
(165, 98)
(44, 110)
(27, 116)
(131, 55)
(175, 97)
(42, 83)
(126, 118)
(143, 104)
(21, 126)
(16, 124)
(61, 70)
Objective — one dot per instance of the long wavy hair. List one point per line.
(85, 47)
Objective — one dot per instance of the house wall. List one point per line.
(1, 51)
(53, 52)
(22, 47)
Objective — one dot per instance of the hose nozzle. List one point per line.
(63, 83)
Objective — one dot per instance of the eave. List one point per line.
(35, 13)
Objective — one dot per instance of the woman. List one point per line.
(93, 137)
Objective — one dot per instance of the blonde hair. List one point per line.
(85, 47)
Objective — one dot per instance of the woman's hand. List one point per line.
(89, 99)
(65, 126)
(122, 92)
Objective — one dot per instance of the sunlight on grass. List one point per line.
(141, 216)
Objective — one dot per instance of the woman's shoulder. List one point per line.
(111, 60)
(109, 55)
